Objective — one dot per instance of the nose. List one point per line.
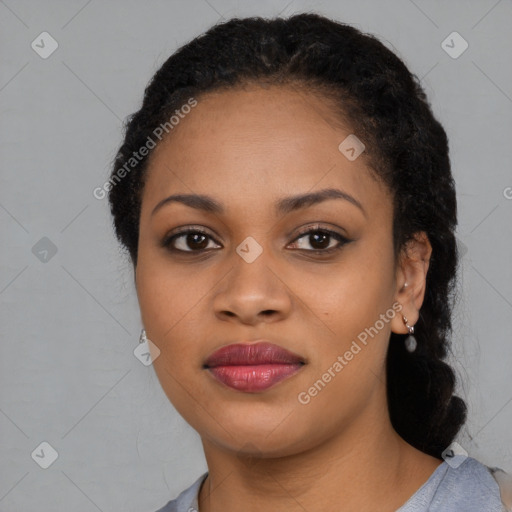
(253, 293)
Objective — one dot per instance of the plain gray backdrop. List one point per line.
(69, 313)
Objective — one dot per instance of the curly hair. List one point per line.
(406, 147)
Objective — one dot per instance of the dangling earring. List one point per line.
(143, 338)
(410, 341)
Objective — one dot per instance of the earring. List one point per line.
(410, 341)
(143, 338)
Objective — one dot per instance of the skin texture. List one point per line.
(248, 148)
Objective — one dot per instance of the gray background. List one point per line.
(70, 321)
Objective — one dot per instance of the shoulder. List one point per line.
(461, 484)
(187, 501)
(504, 480)
(467, 485)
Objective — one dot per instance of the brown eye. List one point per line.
(196, 241)
(190, 240)
(321, 241)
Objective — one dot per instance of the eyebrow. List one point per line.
(283, 206)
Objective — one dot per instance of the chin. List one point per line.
(273, 432)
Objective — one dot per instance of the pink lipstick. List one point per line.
(252, 367)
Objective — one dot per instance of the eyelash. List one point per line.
(169, 240)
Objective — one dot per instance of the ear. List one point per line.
(411, 279)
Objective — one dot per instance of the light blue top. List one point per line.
(469, 487)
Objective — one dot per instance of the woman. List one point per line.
(286, 199)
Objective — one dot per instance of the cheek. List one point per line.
(175, 312)
(165, 298)
(350, 297)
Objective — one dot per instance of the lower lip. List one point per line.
(254, 378)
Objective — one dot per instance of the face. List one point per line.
(313, 277)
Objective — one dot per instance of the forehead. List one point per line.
(255, 144)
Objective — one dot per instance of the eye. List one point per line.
(188, 240)
(323, 241)
(196, 240)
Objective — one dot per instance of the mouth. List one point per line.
(254, 367)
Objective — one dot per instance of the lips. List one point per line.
(252, 367)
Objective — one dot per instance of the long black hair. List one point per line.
(406, 147)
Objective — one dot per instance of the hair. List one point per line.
(406, 147)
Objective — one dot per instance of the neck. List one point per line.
(367, 466)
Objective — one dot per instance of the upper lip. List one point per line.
(260, 352)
